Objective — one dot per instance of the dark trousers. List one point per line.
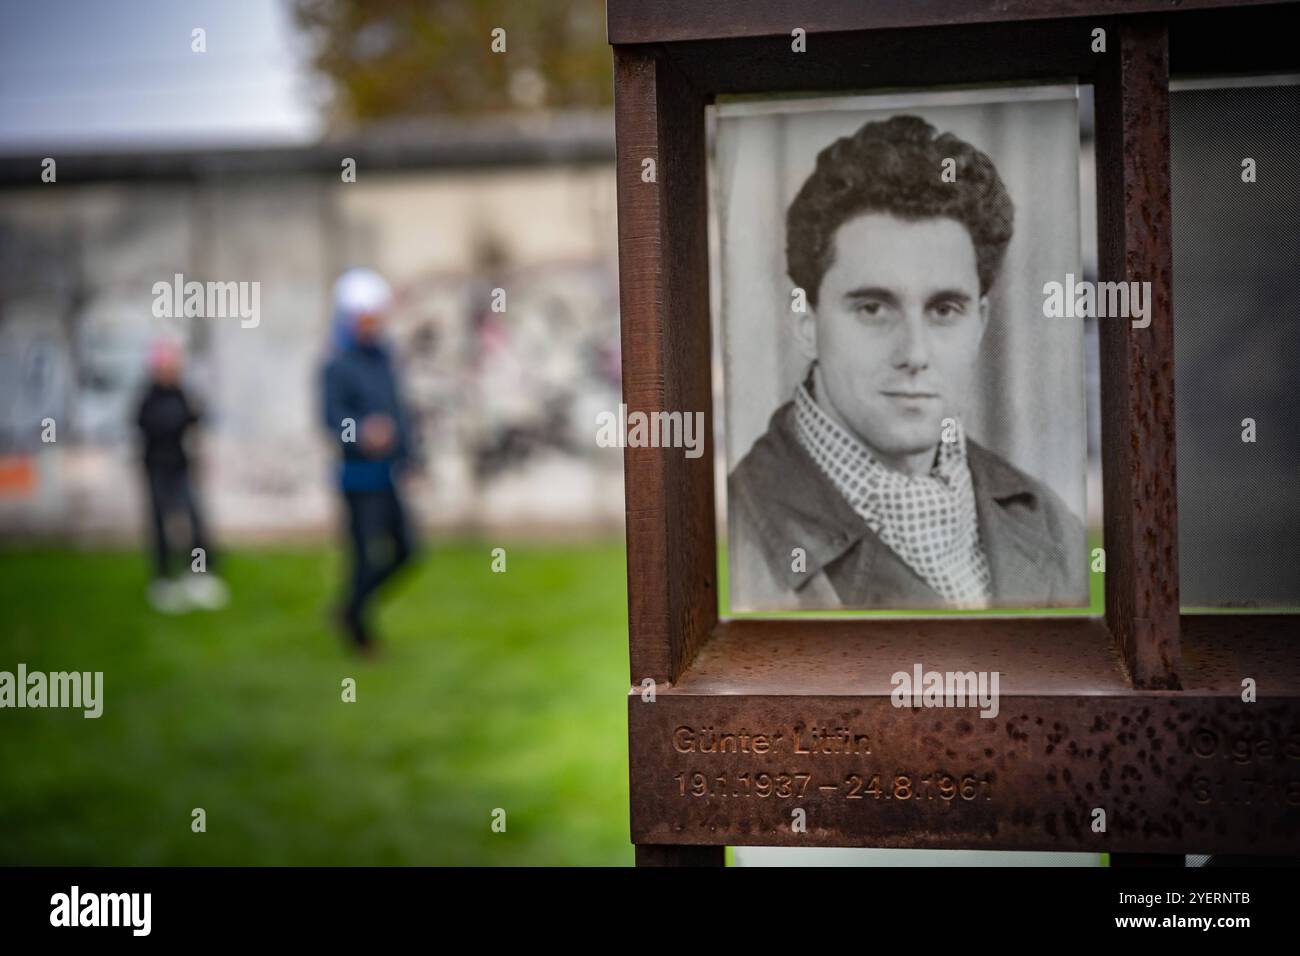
(381, 544)
(170, 494)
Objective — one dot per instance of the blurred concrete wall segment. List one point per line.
(505, 402)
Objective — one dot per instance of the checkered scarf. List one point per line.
(928, 521)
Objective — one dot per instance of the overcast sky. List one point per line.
(122, 73)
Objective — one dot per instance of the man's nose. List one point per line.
(912, 350)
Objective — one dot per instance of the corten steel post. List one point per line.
(1137, 365)
(1138, 712)
(664, 308)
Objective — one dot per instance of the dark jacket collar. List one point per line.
(800, 504)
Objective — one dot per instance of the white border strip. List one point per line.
(1232, 82)
(728, 106)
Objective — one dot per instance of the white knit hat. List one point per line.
(360, 291)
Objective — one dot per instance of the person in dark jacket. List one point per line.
(165, 417)
(363, 413)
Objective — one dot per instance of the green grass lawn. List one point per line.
(496, 691)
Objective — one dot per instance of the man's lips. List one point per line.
(900, 393)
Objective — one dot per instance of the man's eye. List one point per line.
(871, 310)
(947, 311)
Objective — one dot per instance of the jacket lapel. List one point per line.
(874, 576)
(1014, 544)
(805, 510)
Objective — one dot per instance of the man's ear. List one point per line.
(984, 315)
(805, 332)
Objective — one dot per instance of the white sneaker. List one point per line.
(207, 591)
(167, 597)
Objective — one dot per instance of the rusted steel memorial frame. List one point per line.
(1138, 712)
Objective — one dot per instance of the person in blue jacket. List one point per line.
(364, 415)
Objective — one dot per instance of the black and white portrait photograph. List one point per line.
(905, 423)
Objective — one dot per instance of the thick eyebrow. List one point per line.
(872, 292)
(949, 295)
(884, 295)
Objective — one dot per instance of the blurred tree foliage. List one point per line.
(426, 57)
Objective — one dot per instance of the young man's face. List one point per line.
(896, 331)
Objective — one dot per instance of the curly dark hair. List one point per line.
(893, 166)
